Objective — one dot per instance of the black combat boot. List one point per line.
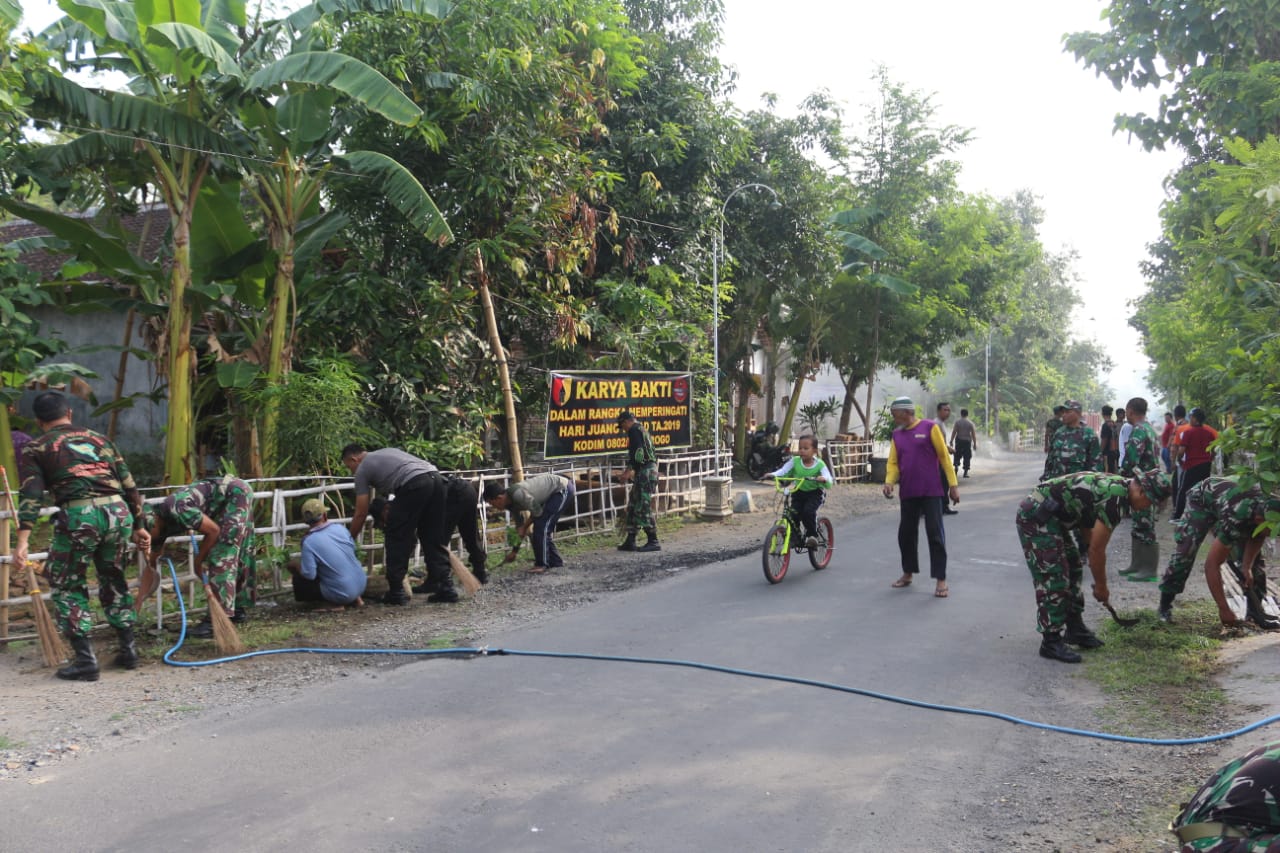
(1165, 613)
(1052, 647)
(1078, 634)
(84, 666)
(651, 542)
(127, 657)
(628, 544)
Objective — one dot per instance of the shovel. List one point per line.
(1123, 622)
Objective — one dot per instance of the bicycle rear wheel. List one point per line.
(776, 556)
(821, 555)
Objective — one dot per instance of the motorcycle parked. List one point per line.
(766, 456)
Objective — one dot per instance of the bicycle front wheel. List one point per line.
(821, 555)
(776, 555)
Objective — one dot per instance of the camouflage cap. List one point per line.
(1155, 483)
(313, 510)
(1073, 404)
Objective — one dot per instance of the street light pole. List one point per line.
(720, 508)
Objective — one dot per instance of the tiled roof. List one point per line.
(153, 220)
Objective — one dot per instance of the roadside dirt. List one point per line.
(1093, 802)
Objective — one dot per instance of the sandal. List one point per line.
(905, 580)
(941, 591)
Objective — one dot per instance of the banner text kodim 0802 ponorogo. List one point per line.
(583, 409)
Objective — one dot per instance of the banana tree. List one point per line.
(192, 84)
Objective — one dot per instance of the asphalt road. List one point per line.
(534, 754)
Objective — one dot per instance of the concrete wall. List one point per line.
(140, 429)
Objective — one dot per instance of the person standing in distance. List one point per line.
(943, 415)
(418, 513)
(99, 507)
(1051, 426)
(917, 450)
(329, 571)
(642, 473)
(963, 442)
(1141, 452)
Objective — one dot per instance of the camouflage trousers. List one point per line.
(1189, 534)
(84, 535)
(1056, 567)
(640, 501)
(1144, 525)
(231, 567)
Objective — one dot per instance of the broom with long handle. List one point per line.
(226, 639)
(469, 581)
(51, 646)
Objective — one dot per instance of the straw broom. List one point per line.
(225, 637)
(469, 581)
(51, 647)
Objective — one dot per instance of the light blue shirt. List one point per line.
(329, 556)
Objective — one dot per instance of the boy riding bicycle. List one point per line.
(809, 492)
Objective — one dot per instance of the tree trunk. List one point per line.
(504, 374)
(179, 448)
(121, 369)
(850, 400)
(8, 460)
(278, 355)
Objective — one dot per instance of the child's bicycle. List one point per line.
(787, 535)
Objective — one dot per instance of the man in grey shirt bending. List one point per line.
(544, 497)
(417, 513)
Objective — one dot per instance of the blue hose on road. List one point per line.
(483, 651)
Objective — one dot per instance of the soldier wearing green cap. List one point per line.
(1093, 504)
(1074, 447)
(1232, 513)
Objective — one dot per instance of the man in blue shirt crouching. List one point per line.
(329, 572)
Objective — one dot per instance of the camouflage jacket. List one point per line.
(1142, 451)
(1234, 509)
(216, 497)
(1051, 427)
(640, 453)
(1079, 501)
(1072, 451)
(72, 463)
(1243, 794)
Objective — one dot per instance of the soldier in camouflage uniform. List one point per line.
(1075, 447)
(642, 470)
(1141, 453)
(1232, 513)
(220, 509)
(98, 506)
(1090, 502)
(1052, 426)
(1237, 810)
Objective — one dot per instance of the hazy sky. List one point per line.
(1041, 121)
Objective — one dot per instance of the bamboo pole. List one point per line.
(504, 375)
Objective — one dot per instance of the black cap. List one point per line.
(625, 415)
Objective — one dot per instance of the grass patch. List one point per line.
(7, 742)
(444, 641)
(1159, 676)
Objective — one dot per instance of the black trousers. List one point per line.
(418, 516)
(1186, 479)
(963, 453)
(806, 506)
(930, 509)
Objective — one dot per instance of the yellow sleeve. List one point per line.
(891, 473)
(944, 458)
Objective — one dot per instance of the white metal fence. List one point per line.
(599, 503)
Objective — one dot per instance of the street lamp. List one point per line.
(717, 488)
